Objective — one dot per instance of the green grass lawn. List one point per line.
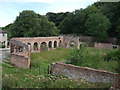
(37, 76)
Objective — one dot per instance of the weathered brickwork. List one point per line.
(88, 74)
(20, 55)
(22, 47)
(70, 41)
(89, 39)
(21, 61)
(105, 46)
(39, 40)
(39, 44)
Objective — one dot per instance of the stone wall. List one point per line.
(105, 46)
(88, 74)
(21, 61)
(85, 38)
(89, 39)
(68, 40)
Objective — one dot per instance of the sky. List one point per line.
(9, 9)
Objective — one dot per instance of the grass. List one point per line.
(44, 59)
(37, 76)
(94, 58)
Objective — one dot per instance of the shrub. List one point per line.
(2, 46)
(76, 56)
(114, 55)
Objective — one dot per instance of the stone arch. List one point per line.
(60, 43)
(43, 46)
(50, 44)
(35, 46)
(72, 44)
(29, 44)
(55, 44)
(8, 44)
(20, 49)
(12, 48)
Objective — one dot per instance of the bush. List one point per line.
(76, 56)
(114, 55)
(2, 46)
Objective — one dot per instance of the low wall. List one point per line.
(88, 74)
(20, 61)
(105, 46)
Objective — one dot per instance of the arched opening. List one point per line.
(20, 49)
(35, 46)
(72, 44)
(50, 44)
(29, 44)
(43, 46)
(55, 44)
(60, 43)
(8, 44)
(12, 46)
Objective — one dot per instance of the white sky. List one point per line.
(9, 9)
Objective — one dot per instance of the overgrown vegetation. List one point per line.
(37, 76)
(2, 46)
(95, 58)
(113, 55)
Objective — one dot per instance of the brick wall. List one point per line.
(88, 74)
(20, 60)
(105, 45)
(68, 39)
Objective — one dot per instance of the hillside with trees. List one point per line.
(100, 19)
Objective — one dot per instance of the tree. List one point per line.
(97, 25)
(66, 25)
(112, 11)
(75, 23)
(57, 17)
(31, 24)
(118, 31)
(8, 30)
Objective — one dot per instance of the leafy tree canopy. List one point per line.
(97, 26)
(31, 24)
(118, 31)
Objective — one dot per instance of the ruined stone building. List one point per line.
(22, 47)
(3, 38)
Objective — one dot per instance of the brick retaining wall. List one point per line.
(20, 61)
(88, 74)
